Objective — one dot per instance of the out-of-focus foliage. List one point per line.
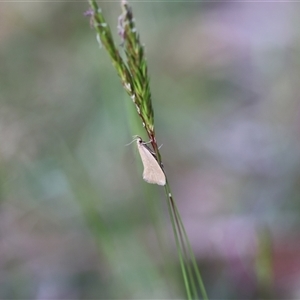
(76, 219)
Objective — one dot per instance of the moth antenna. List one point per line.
(136, 137)
(130, 143)
(144, 143)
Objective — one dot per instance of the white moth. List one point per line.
(153, 172)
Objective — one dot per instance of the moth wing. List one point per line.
(152, 173)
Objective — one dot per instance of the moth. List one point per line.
(153, 173)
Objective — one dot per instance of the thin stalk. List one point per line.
(192, 257)
(179, 250)
(181, 237)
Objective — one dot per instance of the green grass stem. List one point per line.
(133, 73)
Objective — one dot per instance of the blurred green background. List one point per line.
(76, 219)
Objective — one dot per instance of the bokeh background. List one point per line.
(76, 219)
